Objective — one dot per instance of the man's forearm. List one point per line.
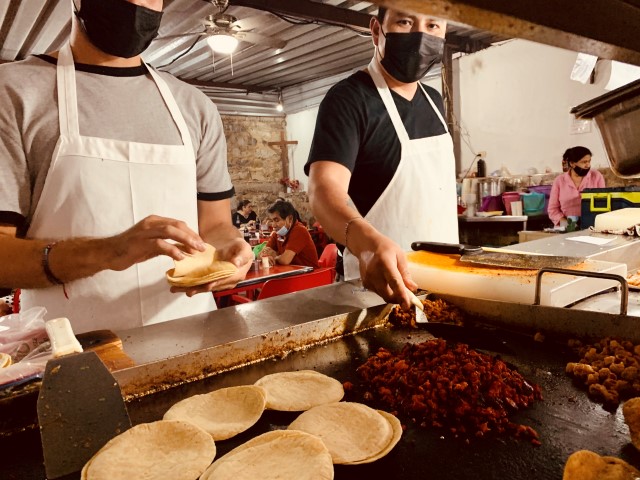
(340, 218)
(23, 261)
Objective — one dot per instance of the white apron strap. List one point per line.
(170, 101)
(435, 109)
(67, 96)
(387, 99)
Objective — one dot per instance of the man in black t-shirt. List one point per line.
(381, 167)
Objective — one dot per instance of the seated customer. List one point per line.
(565, 198)
(290, 243)
(244, 214)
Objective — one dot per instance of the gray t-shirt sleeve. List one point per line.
(205, 125)
(16, 181)
(214, 181)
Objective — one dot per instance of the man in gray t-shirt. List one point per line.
(105, 164)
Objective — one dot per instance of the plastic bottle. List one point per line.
(482, 168)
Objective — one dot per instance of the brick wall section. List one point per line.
(255, 166)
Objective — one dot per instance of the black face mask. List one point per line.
(581, 172)
(118, 27)
(409, 56)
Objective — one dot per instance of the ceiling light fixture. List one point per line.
(280, 105)
(221, 43)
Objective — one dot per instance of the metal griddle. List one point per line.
(567, 420)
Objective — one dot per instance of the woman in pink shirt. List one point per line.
(565, 199)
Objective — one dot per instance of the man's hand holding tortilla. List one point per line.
(236, 251)
(149, 238)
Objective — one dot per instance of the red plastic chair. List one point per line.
(280, 286)
(329, 256)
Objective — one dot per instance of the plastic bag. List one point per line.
(23, 336)
(29, 368)
(20, 333)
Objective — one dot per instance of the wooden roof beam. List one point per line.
(605, 28)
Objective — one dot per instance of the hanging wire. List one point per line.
(181, 55)
(295, 21)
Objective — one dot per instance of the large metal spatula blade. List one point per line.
(499, 257)
(80, 408)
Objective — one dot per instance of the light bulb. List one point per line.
(221, 43)
(279, 107)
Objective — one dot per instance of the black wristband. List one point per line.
(45, 265)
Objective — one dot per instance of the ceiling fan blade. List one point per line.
(260, 40)
(249, 23)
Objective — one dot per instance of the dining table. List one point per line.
(256, 277)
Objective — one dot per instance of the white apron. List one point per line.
(420, 202)
(99, 187)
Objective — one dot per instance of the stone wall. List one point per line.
(255, 166)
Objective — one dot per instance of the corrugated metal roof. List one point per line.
(323, 41)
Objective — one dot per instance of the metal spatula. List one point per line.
(421, 317)
(80, 406)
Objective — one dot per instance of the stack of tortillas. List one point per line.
(354, 433)
(275, 455)
(222, 413)
(199, 268)
(181, 446)
(301, 390)
(164, 449)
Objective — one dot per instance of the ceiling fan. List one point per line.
(224, 31)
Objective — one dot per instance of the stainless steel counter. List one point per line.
(195, 347)
(494, 219)
(224, 326)
(170, 339)
(621, 249)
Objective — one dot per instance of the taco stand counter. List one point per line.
(333, 329)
